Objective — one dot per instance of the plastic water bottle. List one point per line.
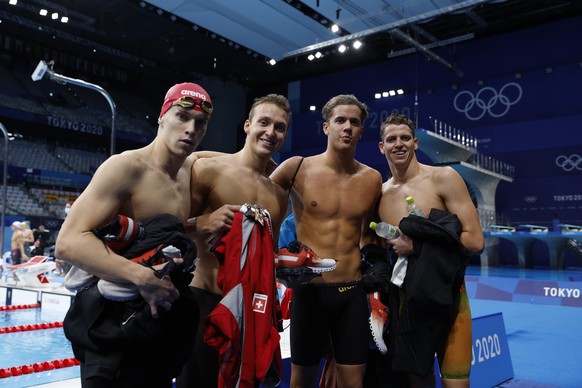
(385, 230)
(401, 265)
(413, 209)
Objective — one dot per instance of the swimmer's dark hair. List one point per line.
(344, 99)
(397, 119)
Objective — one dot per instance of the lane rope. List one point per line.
(19, 307)
(30, 327)
(38, 367)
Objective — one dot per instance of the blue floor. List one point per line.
(544, 340)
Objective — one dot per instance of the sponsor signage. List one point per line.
(55, 302)
(491, 361)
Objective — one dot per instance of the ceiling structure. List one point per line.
(236, 39)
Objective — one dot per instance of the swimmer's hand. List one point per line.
(217, 222)
(157, 292)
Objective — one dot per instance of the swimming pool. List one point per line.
(34, 346)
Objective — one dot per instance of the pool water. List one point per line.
(29, 347)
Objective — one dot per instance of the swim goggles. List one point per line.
(193, 103)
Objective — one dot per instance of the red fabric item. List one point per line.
(243, 327)
(286, 303)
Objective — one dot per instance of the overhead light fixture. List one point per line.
(39, 71)
(357, 44)
(65, 19)
(334, 28)
(342, 48)
(272, 62)
(13, 2)
(43, 12)
(318, 55)
(312, 108)
(389, 93)
(311, 57)
(54, 16)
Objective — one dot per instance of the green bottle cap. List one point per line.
(373, 225)
(409, 199)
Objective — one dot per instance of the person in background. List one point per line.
(28, 237)
(223, 184)
(140, 184)
(332, 194)
(18, 254)
(433, 301)
(41, 240)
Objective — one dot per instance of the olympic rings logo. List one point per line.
(51, 224)
(569, 163)
(530, 198)
(488, 100)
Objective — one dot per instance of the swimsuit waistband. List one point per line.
(338, 284)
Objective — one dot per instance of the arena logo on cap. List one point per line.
(194, 94)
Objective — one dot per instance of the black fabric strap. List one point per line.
(293, 179)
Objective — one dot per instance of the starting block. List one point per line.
(34, 273)
(570, 228)
(501, 228)
(534, 228)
